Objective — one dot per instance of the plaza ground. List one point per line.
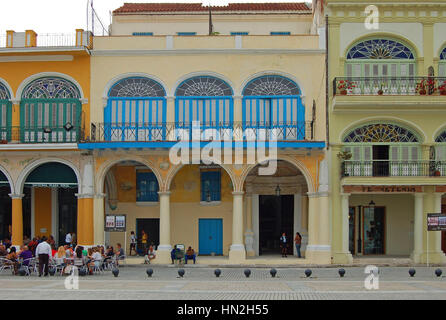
(200, 283)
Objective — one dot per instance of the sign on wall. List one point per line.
(115, 223)
(436, 222)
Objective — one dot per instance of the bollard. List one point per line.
(247, 273)
(181, 272)
(273, 272)
(217, 272)
(412, 272)
(438, 272)
(115, 272)
(341, 272)
(308, 273)
(52, 271)
(22, 271)
(149, 272)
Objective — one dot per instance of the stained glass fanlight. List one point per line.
(4, 92)
(137, 87)
(443, 54)
(271, 85)
(380, 132)
(380, 49)
(441, 137)
(51, 88)
(203, 86)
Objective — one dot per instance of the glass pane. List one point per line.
(373, 230)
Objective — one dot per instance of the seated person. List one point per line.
(26, 255)
(120, 254)
(190, 254)
(150, 255)
(13, 259)
(173, 253)
(3, 252)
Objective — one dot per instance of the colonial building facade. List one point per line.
(387, 123)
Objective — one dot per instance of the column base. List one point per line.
(342, 258)
(431, 258)
(318, 254)
(249, 241)
(163, 254)
(237, 254)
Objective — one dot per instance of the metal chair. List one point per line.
(6, 264)
(97, 266)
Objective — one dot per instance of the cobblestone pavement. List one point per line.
(200, 283)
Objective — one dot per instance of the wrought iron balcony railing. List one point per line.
(398, 86)
(143, 132)
(47, 134)
(384, 168)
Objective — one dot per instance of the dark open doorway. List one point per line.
(380, 161)
(152, 228)
(67, 212)
(276, 215)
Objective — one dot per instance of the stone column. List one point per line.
(418, 228)
(319, 248)
(163, 252)
(85, 205)
(432, 204)
(237, 253)
(304, 229)
(345, 255)
(17, 220)
(249, 234)
(99, 219)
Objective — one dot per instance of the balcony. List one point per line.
(127, 135)
(384, 168)
(39, 134)
(379, 93)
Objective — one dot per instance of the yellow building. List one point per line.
(387, 127)
(44, 100)
(242, 71)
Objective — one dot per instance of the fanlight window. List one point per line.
(4, 92)
(441, 137)
(203, 86)
(442, 64)
(51, 88)
(271, 86)
(137, 87)
(380, 49)
(381, 132)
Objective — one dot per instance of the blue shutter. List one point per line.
(211, 181)
(146, 187)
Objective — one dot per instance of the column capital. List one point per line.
(318, 194)
(237, 97)
(170, 98)
(238, 193)
(345, 194)
(164, 193)
(100, 196)
(15, 101)
(419, 194)
(16, 196)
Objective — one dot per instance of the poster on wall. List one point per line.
(436, 222)
(115, 223)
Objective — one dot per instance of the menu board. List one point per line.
(115, 223)
(436, 222)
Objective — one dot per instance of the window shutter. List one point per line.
(405, 153)
(440, 153)
(414, 153)
(210, 181)
(394, 153)
(356, 153)
(367, 153)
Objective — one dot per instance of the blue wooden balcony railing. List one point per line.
(142, 132)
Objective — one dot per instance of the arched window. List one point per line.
(5, 113)
(382, 149)
(136, 110)
(440, 152)
(274, 103)
(206, 99)
(442, 64)
(380, 57)
(50, 111)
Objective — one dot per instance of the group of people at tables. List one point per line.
(64, 257)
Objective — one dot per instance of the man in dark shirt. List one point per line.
(3, 252)
(120, 254)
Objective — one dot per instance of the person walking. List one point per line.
(43, 251)
(298, 242)
(284, 245)
(133, 243)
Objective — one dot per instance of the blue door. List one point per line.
(210, 233)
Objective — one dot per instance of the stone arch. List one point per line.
(10, 180)
(311, 184)
(7, 87)
(175, 169)
(105, 167)
(33, 165)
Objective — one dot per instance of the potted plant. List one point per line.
(344, 86)
(426, 85)
(442, 88)
(345, 155)
(381, 90)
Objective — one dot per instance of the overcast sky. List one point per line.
(64, 16)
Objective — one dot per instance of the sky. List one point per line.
(64, 16)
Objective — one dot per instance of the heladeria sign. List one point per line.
(115, 222)
(436, 222)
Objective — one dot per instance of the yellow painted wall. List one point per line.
(42, 211)
(14, 73)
